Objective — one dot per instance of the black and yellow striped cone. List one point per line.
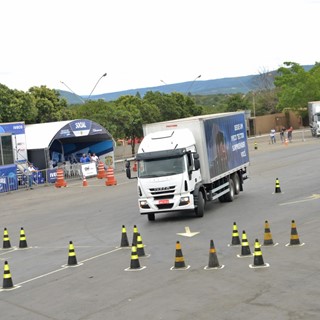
(258, 259)
(235, 236)
(72, 259)
(135, 235)
(255, 146)
(294, 237)
(7, 280)
(277, 188)
(179, 259)
(213, 258)
(134, 263)
(124, 238)
(6, 240)
(23, 239)
(140, 246)
(245, 249)
(267, 240)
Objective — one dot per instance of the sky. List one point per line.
(70, 44)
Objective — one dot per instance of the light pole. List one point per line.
(163, 82)
(82, 100)
(188, 91)
(96, 85)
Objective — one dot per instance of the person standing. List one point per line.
(290, 134)
(273, 136)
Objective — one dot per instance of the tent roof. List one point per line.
(41, 135)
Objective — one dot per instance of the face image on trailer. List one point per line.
(226, 140)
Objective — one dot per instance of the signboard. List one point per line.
(8, 178)
(89, 169)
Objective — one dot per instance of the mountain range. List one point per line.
(233, 85)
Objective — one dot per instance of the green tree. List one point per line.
(49, 105)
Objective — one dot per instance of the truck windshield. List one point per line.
(161, 167)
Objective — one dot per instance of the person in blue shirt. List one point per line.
(84, 159)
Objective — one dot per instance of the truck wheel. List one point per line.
(200, 208)
(230, 195)
(236, 182)
(151, 217)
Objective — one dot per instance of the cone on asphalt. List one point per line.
(7, 280)
(258, 259)
(235, 236)
(6, 240)
(255, 146)
(213, 259)
(110, 178)
(134, 263)
(245, 249)
(84, 182)
(124, 238)
(135, 235)
(72, 259)
(140, 246)
(179, 259)
(267, 239)
(277, 188)
(294, 237)
(23, 239)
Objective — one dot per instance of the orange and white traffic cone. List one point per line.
(84, 182)
(110, 180)
(101, 172)
(60, 182)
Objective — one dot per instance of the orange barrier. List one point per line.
(101, 172)
(60, 182)
(110, 180)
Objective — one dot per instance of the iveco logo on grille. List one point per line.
(162, 189)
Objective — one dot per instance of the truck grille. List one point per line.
(163, 193)
(164, 206)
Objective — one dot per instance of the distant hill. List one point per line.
(242, 84)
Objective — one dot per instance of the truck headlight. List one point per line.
(184, 201)
(144, 204)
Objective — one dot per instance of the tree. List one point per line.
(49, 105)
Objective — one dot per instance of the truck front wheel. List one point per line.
(200, 208)
(228, 197)
(236, 181)
(151, 217)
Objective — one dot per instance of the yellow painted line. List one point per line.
(313, 197)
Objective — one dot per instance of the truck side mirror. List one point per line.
(128, 170)
(196, 161)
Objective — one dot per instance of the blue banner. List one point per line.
(8, 178)
(226, 140)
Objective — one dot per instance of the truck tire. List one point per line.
(236, 182)
(200, 207)
(228, 197)
(151, 217)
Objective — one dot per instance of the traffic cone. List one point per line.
(258, 259)
(23, 239)
(277, 189)
(255, 146)
(60, 182)
(245, 249)
(179, 260)
(267, 240)
(72, 259)
(235, 236)
(134, 262)
(213, 259)
(286, 141)
(294, 238)
(6, 240)
(84, 182)
(110, 179)
(7, 280)
(135, 235)
(101, 172)
(124, 238)
(140, 246)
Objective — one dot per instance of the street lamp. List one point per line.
(82, 100)
(163, 82)
(188, 91)
(96, 85)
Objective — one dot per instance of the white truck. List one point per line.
(183, 163)
(314, 117)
